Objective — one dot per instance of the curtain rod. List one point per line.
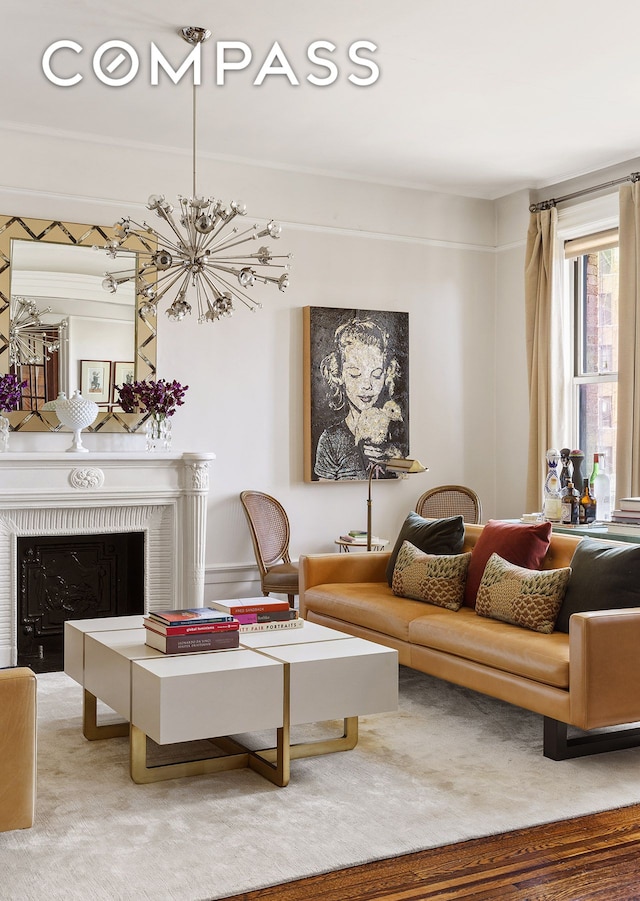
(549, 204)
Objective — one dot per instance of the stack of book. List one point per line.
(628, 513)
(260, 614)
(188, 631)
(355, 536)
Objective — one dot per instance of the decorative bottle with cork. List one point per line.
(552, 499)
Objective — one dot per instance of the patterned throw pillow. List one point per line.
(437, 579)
(433, 536)
(523, 597)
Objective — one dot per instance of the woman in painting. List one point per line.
(360, 374)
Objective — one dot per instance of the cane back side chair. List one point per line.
(270, 534)
(450, 500)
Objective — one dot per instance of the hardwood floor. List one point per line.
(590, 858)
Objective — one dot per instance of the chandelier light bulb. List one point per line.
(162, 259)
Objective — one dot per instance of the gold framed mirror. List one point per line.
(143, 349)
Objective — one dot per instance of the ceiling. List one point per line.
(474, 97)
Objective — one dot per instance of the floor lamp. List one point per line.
(401, 465)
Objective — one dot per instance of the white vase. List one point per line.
(76, 413)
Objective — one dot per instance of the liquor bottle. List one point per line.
(601, 487)
(587, 512)
(566, 468)
(552, 508)
(570, 504)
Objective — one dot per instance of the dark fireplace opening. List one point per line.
(73, 577)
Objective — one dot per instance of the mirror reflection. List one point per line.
(92, 338)
(66, 331)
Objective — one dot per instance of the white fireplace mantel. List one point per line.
(162, 495)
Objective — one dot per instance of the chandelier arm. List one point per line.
(219, 227)
(174, 276)
(228, 240)
(168, 218)
(236, 292)
(249, 259)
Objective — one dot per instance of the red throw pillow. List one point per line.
(524, 544)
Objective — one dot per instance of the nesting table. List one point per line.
(274, 680)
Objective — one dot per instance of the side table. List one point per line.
(377, 544)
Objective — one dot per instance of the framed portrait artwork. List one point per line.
(95, 380)
(356, 392)
(123, 374)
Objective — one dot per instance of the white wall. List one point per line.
(354, 245)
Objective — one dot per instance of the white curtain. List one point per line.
(628, 431)
(546, 342)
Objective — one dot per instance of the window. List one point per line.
(595, 357)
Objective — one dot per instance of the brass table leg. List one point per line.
(346, 742)
(276, 770)
(142, 774)
(90, 728)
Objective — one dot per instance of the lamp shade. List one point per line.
(405, 464)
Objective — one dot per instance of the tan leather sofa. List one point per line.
(17, 748)
(589, 678)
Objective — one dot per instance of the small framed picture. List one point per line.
(95, 380)
(123, 374)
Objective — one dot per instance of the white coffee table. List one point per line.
(273, 681)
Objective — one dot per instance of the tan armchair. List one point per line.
(270, 533)
(17, 748)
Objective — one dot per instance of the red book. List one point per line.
(190, 644)
(270, 617)
(249, 605)
(195, 629)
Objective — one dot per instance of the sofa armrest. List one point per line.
(17, 748)
(604, 667)
(323, 569)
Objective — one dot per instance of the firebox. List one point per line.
(73, 577)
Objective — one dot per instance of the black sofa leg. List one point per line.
(557, 745)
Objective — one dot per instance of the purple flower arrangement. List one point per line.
(10, 392)
(158, 398)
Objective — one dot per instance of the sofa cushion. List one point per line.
(433, 536)
(437, 579)
(520, 652)
(523, 597)
(603, 577)
(521, 543)
(371, 605)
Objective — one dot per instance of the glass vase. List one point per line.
(4, 434)
(158, 432)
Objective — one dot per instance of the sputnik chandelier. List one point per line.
(30, 339)
(203, 253)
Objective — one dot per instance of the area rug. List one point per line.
(448, 765)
